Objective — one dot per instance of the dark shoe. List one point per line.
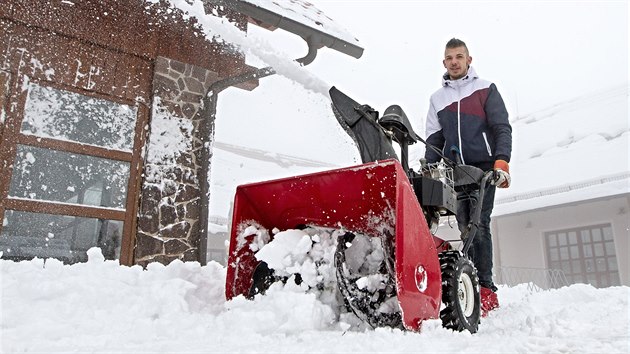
(489, 301)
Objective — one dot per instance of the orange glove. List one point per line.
(502, 177)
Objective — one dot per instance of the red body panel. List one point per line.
(375, 199)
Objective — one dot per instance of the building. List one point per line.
(569, 206)
(107, 124)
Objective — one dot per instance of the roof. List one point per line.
(299, 17)
(573, 151)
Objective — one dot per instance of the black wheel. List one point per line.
(261, 280)
(460, 293)
(263, 277)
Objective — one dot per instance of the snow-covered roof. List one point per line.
(573, 151)
(299, 17)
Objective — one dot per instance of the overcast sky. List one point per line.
(539, 53)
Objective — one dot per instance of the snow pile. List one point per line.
(100, 306)
(300, 252)
(303, 261)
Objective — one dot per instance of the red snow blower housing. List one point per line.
(384, 199)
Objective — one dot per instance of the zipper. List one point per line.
(459, 126)
(485, 138)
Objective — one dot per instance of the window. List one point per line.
(67, 179)
(585, 255)
(63, 237)
(59, 176)
(65, 115)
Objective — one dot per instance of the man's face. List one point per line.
(456, 62)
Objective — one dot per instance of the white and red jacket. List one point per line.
(468, 115)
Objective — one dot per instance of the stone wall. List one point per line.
(168, 223)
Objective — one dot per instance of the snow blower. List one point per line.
(382, 202)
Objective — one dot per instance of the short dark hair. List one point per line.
(455, 43)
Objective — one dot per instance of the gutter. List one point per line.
(314, 37)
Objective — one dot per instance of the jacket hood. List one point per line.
(469, 77)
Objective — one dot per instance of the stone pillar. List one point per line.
(168, 220)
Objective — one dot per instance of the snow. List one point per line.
(53, 113)
(172, 135)
(100, 306)
(305, 13)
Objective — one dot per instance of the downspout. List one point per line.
(206, 134)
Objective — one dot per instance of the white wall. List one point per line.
(519, 242)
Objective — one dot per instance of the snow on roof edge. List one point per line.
(583, 192)
(296, 15)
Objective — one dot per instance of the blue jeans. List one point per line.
(480, 252)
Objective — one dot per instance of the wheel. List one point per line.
(460, 293)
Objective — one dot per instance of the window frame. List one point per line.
(12, 137)
(602, 278)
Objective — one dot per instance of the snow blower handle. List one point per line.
(473, 226)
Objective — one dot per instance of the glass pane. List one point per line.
(63, 237)
(601, 264)
(562, 239)
(65, 115)
(553, 254)
(58, 176)
(572, 237)
(564, 253)
(577, 266)
(610, 248)
(588, 251)
(578, 278)
(597, 235)
(591, 279)
(590, 267)
(586, 236)
(552, 240)
(575, 253)
(608, 235)
(566, 267)
(599, 249)
(612, 263)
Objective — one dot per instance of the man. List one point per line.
(467, 118)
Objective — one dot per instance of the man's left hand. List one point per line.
(501, 177)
